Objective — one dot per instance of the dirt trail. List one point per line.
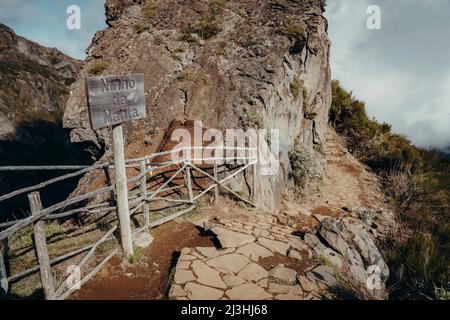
(149, 277)
(347, 183)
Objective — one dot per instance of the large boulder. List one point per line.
(347, 246)
(350, 238)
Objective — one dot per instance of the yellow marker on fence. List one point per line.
(150, 172)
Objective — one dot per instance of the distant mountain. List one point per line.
(34, 81)
(34, 87)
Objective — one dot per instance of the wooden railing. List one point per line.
(156, 183)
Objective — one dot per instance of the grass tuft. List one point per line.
(97, 68)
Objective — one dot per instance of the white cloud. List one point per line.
(401, 71)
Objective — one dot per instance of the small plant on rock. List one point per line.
(293, 31)
(139, 28)
(186, 76)
(97, 68)
(137, 255)
(149, 11)
(256, 120)
(306, 164)
(206, 80)
(296, 87)
(367, 216)
(441, 293)
(207, 27)
(175, 55)
(158, 40)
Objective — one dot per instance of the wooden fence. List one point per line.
(156, 183)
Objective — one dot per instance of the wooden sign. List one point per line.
(115, 99)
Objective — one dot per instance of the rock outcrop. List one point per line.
(340, 262)
(34, 81)
(236, 271)
(229, 64)
(349, 248)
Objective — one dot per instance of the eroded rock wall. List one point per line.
(229, 64)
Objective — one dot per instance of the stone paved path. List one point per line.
(234, 272)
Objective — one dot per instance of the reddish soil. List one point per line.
(305, 223)
(349, 168)
(327, 211)
(298, 265)
(148, 278)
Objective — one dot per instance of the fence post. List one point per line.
(122, 191)
(3, 275)
(255, 171)
(216, 188)
(40, 244)
(144, 193)
(189, 183)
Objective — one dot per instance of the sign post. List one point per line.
(114, 100)
(122, 190)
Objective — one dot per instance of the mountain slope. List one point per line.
(34, 87)
(34, 81)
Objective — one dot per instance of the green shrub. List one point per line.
(305, 99)
(186, 76)
(293, 31)
(367, 216)
(256, 120)
(158, 40)
(174, 55)
(369, 140)
(207, 27)
(216, 6)
(299, 166)
(97, 68)
(221, 52)
(306, 165)
(421, 265)
(441, 293)
(149, 11)
(206, 80)
(137, 255)
(189, 34)
(296, 87)
(139, 28)
(417, 183)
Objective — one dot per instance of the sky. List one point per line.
(44, 21)
(401, 71)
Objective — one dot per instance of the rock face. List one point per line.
(350, 249)
(229, 64)
(34, 81)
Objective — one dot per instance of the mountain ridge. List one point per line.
(34, 81)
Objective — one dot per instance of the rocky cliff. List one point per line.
(229, 64)
(34, 81)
